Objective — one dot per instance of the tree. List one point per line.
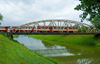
(91, 8)
(1, 17)
(96, 22)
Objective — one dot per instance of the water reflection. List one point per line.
(30, 42)
(35, 44)
(63, 54)
(44, 48)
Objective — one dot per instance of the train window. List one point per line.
(69, 27)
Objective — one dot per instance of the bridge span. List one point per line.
(54, 27)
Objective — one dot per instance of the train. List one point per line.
(38, 29)
(4, 28)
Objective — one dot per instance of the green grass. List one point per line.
(74, 39)
(11, 52)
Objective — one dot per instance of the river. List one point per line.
(63, 54)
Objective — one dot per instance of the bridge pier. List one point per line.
(9, 35)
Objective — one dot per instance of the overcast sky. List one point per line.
(18, 12)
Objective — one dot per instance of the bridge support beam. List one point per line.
(9, 35)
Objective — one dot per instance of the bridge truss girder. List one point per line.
(82, 27)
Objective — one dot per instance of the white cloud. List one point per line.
(18, 12)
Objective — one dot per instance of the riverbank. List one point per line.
(12, 52)
(73, 39)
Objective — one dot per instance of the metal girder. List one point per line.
(84, 28)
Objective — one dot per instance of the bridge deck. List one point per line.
(55, 33)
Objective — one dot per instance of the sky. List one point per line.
(19, 12)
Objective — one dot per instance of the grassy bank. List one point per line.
(74, 39)
(11, 52)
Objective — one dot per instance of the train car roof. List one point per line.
(4, 26)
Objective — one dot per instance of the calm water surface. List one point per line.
(63, 54)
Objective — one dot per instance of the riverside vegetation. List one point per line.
(66, 39)
(12, 52)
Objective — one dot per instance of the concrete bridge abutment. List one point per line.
(9, 35)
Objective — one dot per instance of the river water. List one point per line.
(63, 54)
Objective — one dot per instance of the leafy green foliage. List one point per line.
(96, 22)
(1, 17)
(83, 29)
(89, 7)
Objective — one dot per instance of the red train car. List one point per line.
(56, 29)
(4, 28)
(23, 29)
(38, 29)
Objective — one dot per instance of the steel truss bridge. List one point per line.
(55, 27)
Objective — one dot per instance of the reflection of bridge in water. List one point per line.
(75, 59)
(85, 61)
(79, 59)
(51, 51)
